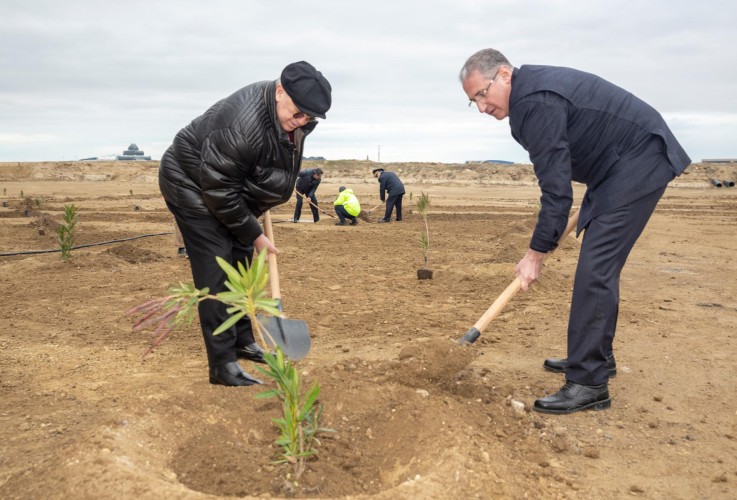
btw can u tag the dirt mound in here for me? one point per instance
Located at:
(133, 254)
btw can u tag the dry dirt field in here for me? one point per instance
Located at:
(417, 416)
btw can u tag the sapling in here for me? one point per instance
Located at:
(247, 297)
(423, 207)
(66, 231)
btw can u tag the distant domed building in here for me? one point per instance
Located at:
(132, 153)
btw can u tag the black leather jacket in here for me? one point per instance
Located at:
(235, 161)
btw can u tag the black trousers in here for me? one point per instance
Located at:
(606, 244)
(206, 237)
(343, 214)
(298, 208)
(391, 203)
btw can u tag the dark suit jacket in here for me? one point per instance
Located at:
(306, 184)
(579, 127)
(389, 183)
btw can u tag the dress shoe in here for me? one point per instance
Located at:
(341, 223)
(382, 221)
(559, 365)
(575, 397)
(354, 222)
(231, 374)
(252, 352)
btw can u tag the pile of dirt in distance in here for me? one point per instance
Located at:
(134, 254)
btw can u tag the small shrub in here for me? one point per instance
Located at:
(247, 296)
(66, 231)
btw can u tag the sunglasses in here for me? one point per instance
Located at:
(299, 115)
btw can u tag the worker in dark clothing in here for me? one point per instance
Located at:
(222, 172)
(307, 182)
(389, 184)
(579, 127)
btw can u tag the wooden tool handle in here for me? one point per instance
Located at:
(318, 208)
(271, 257)
(514, 287)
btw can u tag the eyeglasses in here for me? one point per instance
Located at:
(299, 115)
(481, 94)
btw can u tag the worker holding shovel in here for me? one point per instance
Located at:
(578, 127)
(224, 170)
(392, 191)
(307, 183)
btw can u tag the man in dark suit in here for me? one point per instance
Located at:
(307, 182)
(391, 190)
(578, 127)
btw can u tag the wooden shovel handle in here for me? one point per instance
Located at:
(501, 301)
(271, 258)
(318, 208)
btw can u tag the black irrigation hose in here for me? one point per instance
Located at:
(84, 246)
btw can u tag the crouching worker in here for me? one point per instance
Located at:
(347, 206)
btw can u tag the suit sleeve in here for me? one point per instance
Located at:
(313, 188)
(226, 162)
(543, 132)
(382, 187)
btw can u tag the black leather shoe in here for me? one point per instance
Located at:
(559, 365)
(252, 352)
(231, 374)
(575, 397)
(354, 222)
(341, 223)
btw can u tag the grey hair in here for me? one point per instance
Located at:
(485, 61)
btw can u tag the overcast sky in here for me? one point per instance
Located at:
(82, 78)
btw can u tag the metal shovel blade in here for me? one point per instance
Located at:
(291, 335)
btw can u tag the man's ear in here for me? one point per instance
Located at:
(279, 93)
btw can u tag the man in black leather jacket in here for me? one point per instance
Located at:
(223, 171)
(307, 182)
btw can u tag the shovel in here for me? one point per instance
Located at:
(291, 335)
(493, 311)
(318, 208)
(366, 213)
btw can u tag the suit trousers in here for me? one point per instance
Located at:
(606, 244)
(298, 207)
(392, 202)
(205, 237)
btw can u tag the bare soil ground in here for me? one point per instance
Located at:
(416, 415)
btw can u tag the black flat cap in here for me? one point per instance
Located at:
(377, 170)
(310, 91)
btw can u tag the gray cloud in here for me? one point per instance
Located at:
(84, 78)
